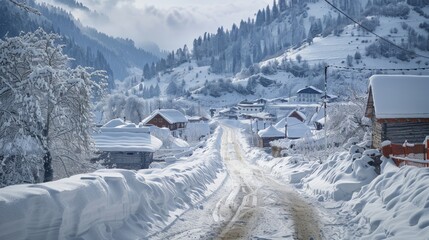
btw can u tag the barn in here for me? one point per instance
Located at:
(398, 108)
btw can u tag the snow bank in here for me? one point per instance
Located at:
(395, 205)
(168, 141)
(194, 131)
(110, 204)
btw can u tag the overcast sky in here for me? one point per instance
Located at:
(169, 23)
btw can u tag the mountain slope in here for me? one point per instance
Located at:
(293, 48)
(87, 46)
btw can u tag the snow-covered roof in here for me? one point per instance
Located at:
(196, 118)
(114, 123)
(271, 131)
(116, 135)
(251, 105)
(302, 115)
(170, 115)
(318, 115)
(296, 128)
(310, 89)
(280, 124)
(126, 142)
(400, 96)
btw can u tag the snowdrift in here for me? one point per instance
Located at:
(110, 204)
(395, 205)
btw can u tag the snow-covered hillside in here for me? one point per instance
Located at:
(348, 46)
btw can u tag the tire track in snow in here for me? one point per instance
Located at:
(258, 194)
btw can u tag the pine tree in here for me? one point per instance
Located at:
(146, 71)
(282, 5)
(268, 15)
(275, 10)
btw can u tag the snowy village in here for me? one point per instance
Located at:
(262, 119)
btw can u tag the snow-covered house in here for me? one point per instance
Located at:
(318, 118)
(295, 129)
(269, 134)
(168, 118)
(246, 107)
(309, 94)
(298, 115)
(126, 145)
(230, 113)
(398, 108)
(193, 119)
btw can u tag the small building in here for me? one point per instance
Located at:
(295, 129)
(269, 134)
(194, 119)
(168, 118)
(318, 118)
(398, 108)
(246, 107)
(229, 113)
(309, 94)
(124, 145)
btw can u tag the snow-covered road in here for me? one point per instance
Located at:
(250, 204)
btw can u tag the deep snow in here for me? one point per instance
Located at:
(353, 201)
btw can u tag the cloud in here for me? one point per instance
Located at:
(168, 23)
(179, 18)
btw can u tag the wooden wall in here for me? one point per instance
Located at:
(413, 132)
(160, 122)
(129, 160)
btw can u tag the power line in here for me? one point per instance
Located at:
(378, 69)
(367, 29)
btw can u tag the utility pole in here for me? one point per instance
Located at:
(325, 100)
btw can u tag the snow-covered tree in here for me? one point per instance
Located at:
(44, 101)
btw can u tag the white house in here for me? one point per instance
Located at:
(309, 94)
(246, 107)
(125, 145)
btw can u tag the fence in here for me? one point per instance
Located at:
(407, 154)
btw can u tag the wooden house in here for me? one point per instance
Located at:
(168, 118)
(269, 134)
(124, 145)
(298, 115)
(398, 108)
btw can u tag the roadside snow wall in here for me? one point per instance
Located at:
(395, 205)
(111, 204)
